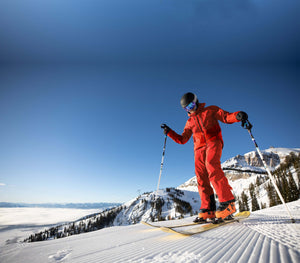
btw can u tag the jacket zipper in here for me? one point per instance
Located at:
(201, 129)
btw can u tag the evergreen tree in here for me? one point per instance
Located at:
(283, 185)
(271, 194)
(285, 181)
(254, 201)
(243, 203)
(293, 189)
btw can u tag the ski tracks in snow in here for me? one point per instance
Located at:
(250, 241)
(261, 238)
(278, 229)
(236, 242)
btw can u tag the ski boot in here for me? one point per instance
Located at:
(204, 216)
(225, 210)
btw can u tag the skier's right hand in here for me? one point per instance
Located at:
(165, 128)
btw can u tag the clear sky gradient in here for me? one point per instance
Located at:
(85, 85)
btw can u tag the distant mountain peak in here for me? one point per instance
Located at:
(251, 162)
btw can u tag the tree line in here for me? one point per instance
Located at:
(285, 181)
(92, 223)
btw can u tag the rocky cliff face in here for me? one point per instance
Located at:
(249, 164)
(245, 166)
(251, 161)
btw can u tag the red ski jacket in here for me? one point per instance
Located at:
(204, 125)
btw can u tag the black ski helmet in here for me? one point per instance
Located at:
(187, 98)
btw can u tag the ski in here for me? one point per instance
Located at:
(240, 214)
(205, 227)
(200, 227)
(178, 225)
(174, 226)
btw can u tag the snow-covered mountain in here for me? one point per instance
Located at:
(164, 204)
(266, 236)
(167, 204)
(176, 203)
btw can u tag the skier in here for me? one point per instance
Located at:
(208, 143)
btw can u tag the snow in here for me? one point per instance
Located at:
(266, 236)
(283, 152)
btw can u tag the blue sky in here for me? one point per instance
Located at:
(85, 86)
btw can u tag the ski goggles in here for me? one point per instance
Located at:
(190, 106)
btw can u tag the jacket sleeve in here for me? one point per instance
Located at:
(184, 137)
(226, 117)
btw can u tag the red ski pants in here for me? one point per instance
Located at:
(209, 173)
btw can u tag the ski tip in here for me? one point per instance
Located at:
(170, 230)
(147, 224)
(243, 214)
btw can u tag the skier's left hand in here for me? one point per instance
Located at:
(242, 116)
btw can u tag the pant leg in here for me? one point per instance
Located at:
(205, 190)
(216, 175)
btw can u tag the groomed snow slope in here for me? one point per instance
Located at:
(266, 236)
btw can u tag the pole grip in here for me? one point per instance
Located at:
(247, 125)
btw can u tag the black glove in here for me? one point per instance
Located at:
(242, 116)
(166, 128)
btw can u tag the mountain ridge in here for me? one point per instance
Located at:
(247, 165)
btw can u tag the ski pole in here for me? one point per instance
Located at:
(247, 125)
(162, 161)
